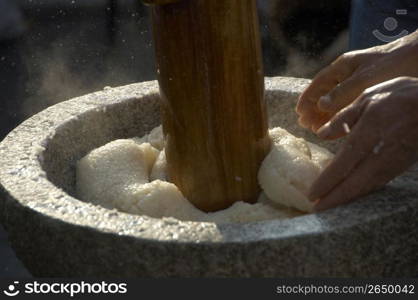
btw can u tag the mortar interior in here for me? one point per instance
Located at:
(96, 127)
(68, 131)
(136, 116)
(55, 233)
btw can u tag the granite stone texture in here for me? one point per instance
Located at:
(55, 234)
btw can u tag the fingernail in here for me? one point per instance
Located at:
(346, 128)
(324, 131)
(325, 102)
(325, 99)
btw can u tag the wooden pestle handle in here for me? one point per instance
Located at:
(211, 82)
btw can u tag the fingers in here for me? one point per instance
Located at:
(381, 145)
(310, 96)
(344, 93)
(356, 148)
(324, 82)
(320, 120)
(374, 172)
(342, 123)
(314, 120)
(352, 187)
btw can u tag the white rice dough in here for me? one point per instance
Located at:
(290, 168)
(130, 175)
(155, 138)
(242, 212)
(159, 169)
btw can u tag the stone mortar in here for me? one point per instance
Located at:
(55, 234)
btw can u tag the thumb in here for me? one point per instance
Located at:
(343, 121)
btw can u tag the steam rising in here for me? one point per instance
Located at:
(70, 53)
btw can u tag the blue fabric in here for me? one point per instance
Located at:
(376, 22)
(11, 20)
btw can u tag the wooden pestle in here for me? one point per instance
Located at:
(211, 82)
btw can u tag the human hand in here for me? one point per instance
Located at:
(344, 80)
(382, 143)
